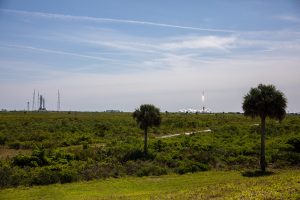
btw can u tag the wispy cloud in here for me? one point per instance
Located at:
(117, 62)
(213, 42)
(60, 52)
(110, 20)
(126, 46)
(290, 18)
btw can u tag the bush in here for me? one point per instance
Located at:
(150, 169)
(5, 175)
(159, 145)
(295, 143)
(242, 160)
(21, 145)
(85, 145)
(102, 128)
(36, 159)
(82, 139)
(190, 166)
(15, 145)
(133, 154)
(131, 167)
(39, 155)
(20, 177)
(25, 160)
(45, 176)
(66, 143)
(68, 176)
(231, 129)
(99, 170)
(3, 139)
(167, 159)
(292, 157)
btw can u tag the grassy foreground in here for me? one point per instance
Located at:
(283, 184)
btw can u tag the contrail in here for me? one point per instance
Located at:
(101, 20)
(59, 52)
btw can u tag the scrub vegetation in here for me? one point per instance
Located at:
(48, 147)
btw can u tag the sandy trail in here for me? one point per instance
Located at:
(187, 133)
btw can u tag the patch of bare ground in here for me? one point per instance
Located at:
(6, 152)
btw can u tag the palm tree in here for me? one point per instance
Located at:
(147, 116)
(264, 101)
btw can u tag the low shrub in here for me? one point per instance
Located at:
(20, 176)
(133, 154)
(45, 176)
(190, 166)
(68, 175)
(5, 175)
(15, 145)
(295, 144)
(150, 169)
(25, 160)
(242, 160)
(3, 138)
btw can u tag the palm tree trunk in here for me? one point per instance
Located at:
(146, 141)
(263, 144)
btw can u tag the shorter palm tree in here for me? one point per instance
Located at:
(147, 116)
(264, 101)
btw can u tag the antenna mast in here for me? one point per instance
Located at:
(38, 101)
(58, 101)
(33, 101)
(28, 105)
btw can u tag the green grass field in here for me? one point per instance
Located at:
(283, 184)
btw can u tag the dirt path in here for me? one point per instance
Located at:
(187, 133)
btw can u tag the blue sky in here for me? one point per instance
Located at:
(119, 54)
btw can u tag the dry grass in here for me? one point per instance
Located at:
(6, 153)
